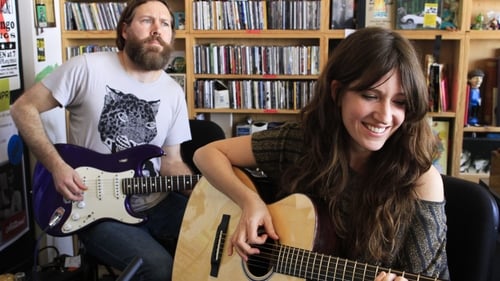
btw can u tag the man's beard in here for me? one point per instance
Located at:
(148, 57)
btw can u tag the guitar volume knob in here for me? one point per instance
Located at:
(81, 204)
(67, 227)
(75, 216)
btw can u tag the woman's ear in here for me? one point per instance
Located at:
(334, 88)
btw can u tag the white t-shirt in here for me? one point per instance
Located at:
(110, 111)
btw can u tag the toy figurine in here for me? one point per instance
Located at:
(449, 21)
(478, 23)
(475, 79)
(493, 24)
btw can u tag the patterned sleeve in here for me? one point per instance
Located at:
(424, 250)
(276, 148)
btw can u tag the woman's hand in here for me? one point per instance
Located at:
(255, 227)
(384, 276)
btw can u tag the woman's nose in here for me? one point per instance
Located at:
(384, 112)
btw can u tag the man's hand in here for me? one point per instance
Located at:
(68, 183)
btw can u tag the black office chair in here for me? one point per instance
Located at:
(202, 132)
(473, 220)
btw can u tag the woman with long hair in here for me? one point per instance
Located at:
(363, 146)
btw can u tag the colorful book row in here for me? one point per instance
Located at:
(253, 94)
(92, 16)
(257, 60)
(256, 15)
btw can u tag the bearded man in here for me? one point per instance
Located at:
(117, 102)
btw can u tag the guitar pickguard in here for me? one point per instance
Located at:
(103, 199)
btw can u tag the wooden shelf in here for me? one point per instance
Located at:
(458, 51)
(482, 129)
(246, 111)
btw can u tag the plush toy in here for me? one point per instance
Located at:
(481, 165)
(493, 24)
(465, 161)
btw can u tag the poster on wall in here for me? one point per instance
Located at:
(14, 215)
(9, 44)
(14, 212)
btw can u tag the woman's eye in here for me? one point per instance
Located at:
(369, 96)
(400, 102)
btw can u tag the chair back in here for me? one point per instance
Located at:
(202, 132)
(472, 220)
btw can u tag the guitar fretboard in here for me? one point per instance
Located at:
(143, 185)
(315, 266)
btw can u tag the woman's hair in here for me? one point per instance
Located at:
(127, 16)
(382, 210)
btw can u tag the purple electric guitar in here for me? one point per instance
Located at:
(110, 178)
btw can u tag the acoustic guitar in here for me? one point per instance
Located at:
(211, 218)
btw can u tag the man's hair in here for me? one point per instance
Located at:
(129, 13)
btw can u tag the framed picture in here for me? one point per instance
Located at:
(342, 14)
(180, 78)
(418, 14)
(44, 13)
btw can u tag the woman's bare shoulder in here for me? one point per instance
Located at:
(430, 186)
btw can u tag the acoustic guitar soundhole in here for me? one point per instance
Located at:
(262, 265)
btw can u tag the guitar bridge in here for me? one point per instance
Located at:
(218, 247)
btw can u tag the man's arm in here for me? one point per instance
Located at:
(26, 115)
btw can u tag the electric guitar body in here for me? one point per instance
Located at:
(111, 180)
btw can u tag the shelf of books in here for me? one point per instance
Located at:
(250, 91)
(90, 26)
(256, 61)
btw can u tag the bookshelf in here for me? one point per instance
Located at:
(77, 39)
(458, 52)
(481, 46)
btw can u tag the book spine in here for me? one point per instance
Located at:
(497, 86)
(489, 83)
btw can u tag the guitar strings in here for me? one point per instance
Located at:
(315, 266)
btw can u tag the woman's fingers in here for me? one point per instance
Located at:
(384, 276)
